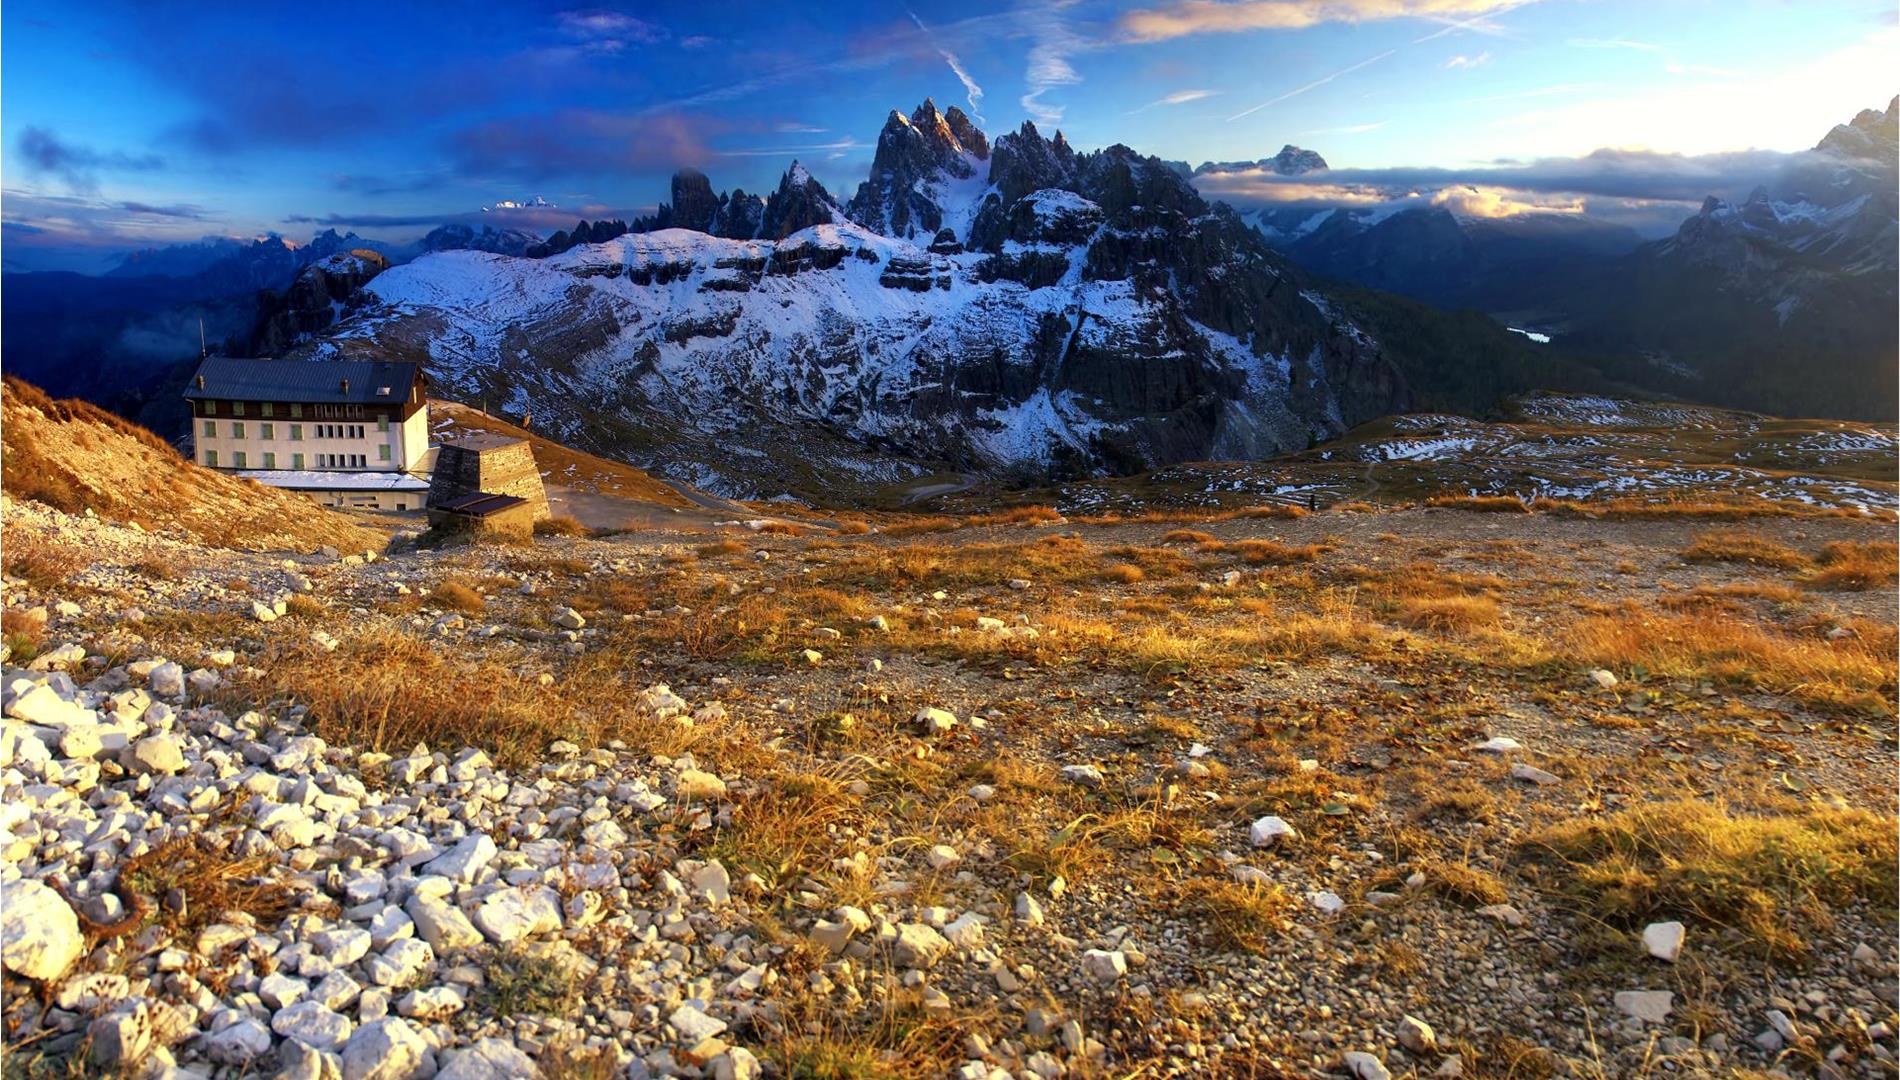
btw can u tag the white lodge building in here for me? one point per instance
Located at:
(347, 433)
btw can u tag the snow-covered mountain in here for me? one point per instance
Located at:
(1013, 307)
(457, 236)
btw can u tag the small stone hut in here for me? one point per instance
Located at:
(487, 483)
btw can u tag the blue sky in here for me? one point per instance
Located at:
(124, 125)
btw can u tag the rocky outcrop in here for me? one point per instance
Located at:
(694, 204)
(1290, 161)
(799, 203)
(312, 302)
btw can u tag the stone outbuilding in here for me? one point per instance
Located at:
(486, 482)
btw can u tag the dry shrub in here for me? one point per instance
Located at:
(783, 528)
(1123, 573)
(1734, 545)
(1457, 613)
(1020, 515)
(1856, 673)
(560, 526)
(1772, 876)
(1272, 553)
(24, 630)
(721, 547)
(452, 595)
(1857, 567)
(1266, 510)
(1187, 536)
(1239, 916)
(853, 528)
(39, 561)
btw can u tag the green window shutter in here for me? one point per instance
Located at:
(237, 458)
(270, 430)
(270, 460)
(237, 429)
(382, 452)
(211, 429)
(211, 458)
(296, 461)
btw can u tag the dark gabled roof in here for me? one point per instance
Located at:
(479, 504)
(224, 378)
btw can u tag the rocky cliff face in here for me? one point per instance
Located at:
(1050, 313)
(313, 302)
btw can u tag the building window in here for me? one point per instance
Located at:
(265, 409)
(267, 431)
(296, 409)
(382, 452)
(211, 458)
(296, 433)
(211, 429)
(237, 408)
(237, 459)
(270, 460)
(237, 429)
(296, 461)
(382, 423)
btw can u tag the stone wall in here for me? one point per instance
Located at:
(490, 464)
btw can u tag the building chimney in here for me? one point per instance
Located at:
(201, 382)
(346, 386)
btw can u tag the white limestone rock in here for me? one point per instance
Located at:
(39, 932)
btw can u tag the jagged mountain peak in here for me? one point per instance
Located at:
(923, 163)
(1290, 161)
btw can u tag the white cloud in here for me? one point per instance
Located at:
(1467, 62)
(1187, 17)
(1048, 61)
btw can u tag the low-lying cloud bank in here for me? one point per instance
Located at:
(1645, 190)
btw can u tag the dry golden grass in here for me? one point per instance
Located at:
(1123, 573)
(1735, 545)
(1850, 566)
(402, 691)
(560, 526)
(1490, 504)
(1271, 553)
(74, 456)
(852, 527)
(1772, 876)
(1452, 613)
(1856, 673)
(1187, 536)
(721, 547)
(920, 526)
(783, 528)
(1020, 515)
(787, 830)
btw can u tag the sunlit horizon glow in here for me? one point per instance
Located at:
(228, 122)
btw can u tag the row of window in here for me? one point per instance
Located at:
(322, 431)
(239, 460)
(296, 409)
